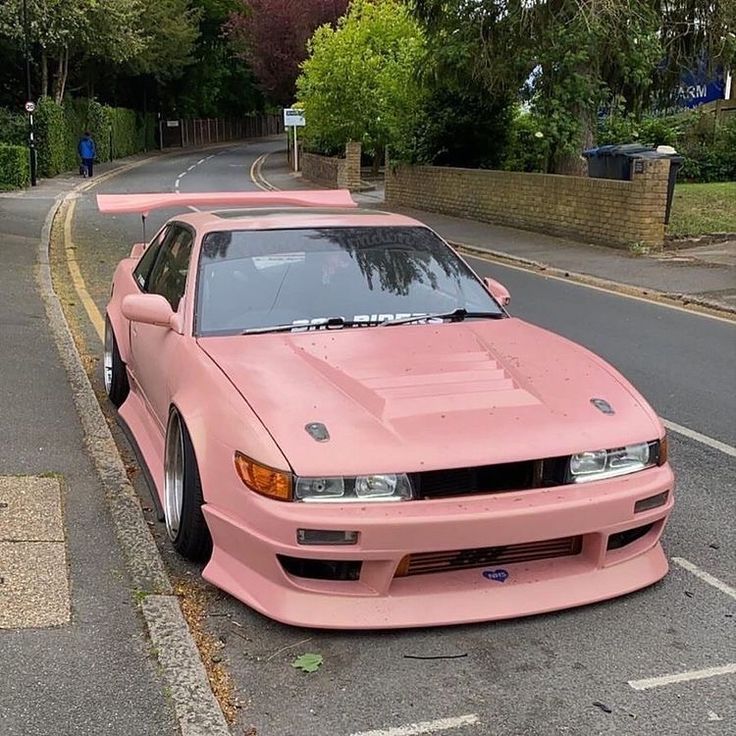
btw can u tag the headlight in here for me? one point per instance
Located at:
(600, 464)
(383, 487)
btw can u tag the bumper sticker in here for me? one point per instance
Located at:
(498, 575)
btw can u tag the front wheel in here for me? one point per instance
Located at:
(185, 523)
(113, 369)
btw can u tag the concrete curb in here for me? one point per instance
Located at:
(689, 302)
(197, 710)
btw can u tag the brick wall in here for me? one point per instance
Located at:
(333, 172)
(322, 170)
(617, 213)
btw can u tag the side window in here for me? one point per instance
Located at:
(168, 276)
(143, 269)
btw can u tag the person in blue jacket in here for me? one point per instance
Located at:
(87, 152)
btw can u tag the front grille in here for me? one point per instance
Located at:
(426, 562)
(490, 478)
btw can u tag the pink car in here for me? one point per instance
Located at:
(344, 422)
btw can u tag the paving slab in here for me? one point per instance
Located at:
(34, 585)
(30, 509)
(34, 580)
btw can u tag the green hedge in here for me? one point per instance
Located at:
(117, 131)
(15, 172)
(13, 128)
(52, 138)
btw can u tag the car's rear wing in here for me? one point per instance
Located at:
(142, 204)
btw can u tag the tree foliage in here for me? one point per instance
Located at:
(170, 55)
(272, 36)
(573, 56)
(64, 30)
(169, 30)
(360, 81)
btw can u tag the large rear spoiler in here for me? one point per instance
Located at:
(142, 204)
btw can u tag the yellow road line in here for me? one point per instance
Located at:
(94, 314)
(256, 176)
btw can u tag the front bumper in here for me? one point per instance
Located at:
(246, 548)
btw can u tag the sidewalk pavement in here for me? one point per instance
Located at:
(704, 275)
(73, 654)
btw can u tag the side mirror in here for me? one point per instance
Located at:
(150, 309)
(498, 291)
(137, 250)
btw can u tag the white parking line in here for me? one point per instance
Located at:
(698, 437)
(413, 729)
(651, 682)
(193, 166)
(176, 183)
(200, 162)
(706, 577)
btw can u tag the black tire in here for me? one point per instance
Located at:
(192, 540)
(116, 383)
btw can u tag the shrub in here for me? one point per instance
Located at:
(13, 128)
(528, 145)
(99, 124)
(709, 148)
(15, 170)
(51, 137)
(124, 132)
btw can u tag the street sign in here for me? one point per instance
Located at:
(294, 118)
(30, 107)
(172, 123)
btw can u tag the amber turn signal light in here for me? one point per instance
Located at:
(262, 479)
(662, 458)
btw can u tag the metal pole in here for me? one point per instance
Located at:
(31, 130)
(296, 151)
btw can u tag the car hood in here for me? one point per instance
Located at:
(424, 397)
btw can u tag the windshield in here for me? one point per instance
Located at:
(301, 277)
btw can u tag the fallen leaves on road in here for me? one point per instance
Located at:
(308, 662)
(194, 603)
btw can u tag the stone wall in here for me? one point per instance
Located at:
(333, 172)
(609, 212)
(322, 170)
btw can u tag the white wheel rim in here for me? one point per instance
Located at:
(173, 476)
(107, 358)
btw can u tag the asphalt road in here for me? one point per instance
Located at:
(552, 674)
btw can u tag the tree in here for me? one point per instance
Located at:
(272, 36)
(65, 29)
(574, 56)
(216, 81)
(360, 80)
(170, 30)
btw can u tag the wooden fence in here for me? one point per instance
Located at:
(190, 133)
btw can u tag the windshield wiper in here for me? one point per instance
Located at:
(456, 315)
(332, 322)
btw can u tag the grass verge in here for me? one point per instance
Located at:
(699, 209)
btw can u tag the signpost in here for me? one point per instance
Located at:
(294, 118)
